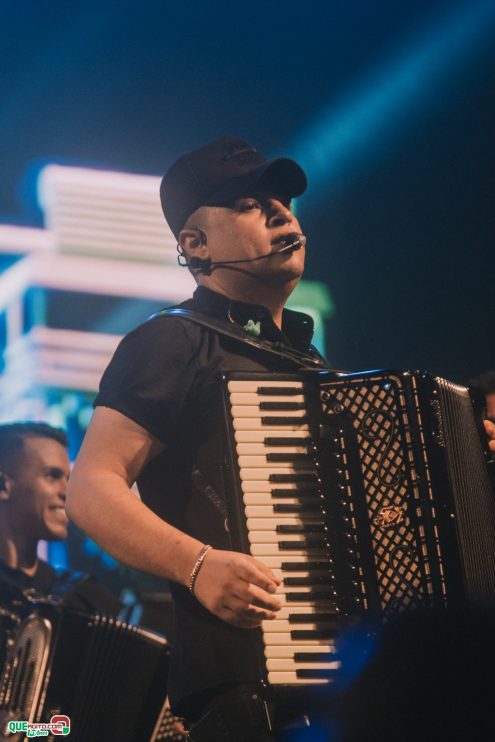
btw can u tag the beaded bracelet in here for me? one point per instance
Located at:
(195, 570)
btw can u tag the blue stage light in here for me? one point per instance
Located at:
(350, 131)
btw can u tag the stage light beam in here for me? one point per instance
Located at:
(348, 133)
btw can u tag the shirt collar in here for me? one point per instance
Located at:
(297, 327)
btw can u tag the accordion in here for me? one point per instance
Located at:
(106, 678)
(368, 494)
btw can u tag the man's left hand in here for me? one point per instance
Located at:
(490, 431)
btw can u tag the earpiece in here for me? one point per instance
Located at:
(201, 264)
(202, 237)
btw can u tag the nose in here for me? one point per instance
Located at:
(62, 491)
(278, 214)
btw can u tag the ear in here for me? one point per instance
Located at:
(193, 241)
(4, 487)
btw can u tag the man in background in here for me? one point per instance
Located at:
(34, 471)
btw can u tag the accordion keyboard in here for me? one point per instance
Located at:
(284, 518)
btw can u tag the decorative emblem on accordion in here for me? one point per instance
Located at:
(389, 517)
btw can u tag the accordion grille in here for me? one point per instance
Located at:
(376, 418)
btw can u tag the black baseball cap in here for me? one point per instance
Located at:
(220, 172)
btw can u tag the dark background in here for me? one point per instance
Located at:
(397, 98)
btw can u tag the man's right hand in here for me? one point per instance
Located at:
(237, 588)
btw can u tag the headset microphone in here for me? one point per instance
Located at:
(298, 241)
(292, 242)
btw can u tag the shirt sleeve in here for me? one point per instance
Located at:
(150, 375)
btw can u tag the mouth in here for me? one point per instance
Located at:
(59, 510)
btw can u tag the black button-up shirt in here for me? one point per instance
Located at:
(165, 376)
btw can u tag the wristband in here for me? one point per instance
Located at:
(195, 570)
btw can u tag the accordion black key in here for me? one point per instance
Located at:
(368, 494)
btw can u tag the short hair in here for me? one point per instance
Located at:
(485, 382)
(13, 435)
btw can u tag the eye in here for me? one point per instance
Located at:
(248, 204)
(54, 474)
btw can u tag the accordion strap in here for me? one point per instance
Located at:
(302, 360)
